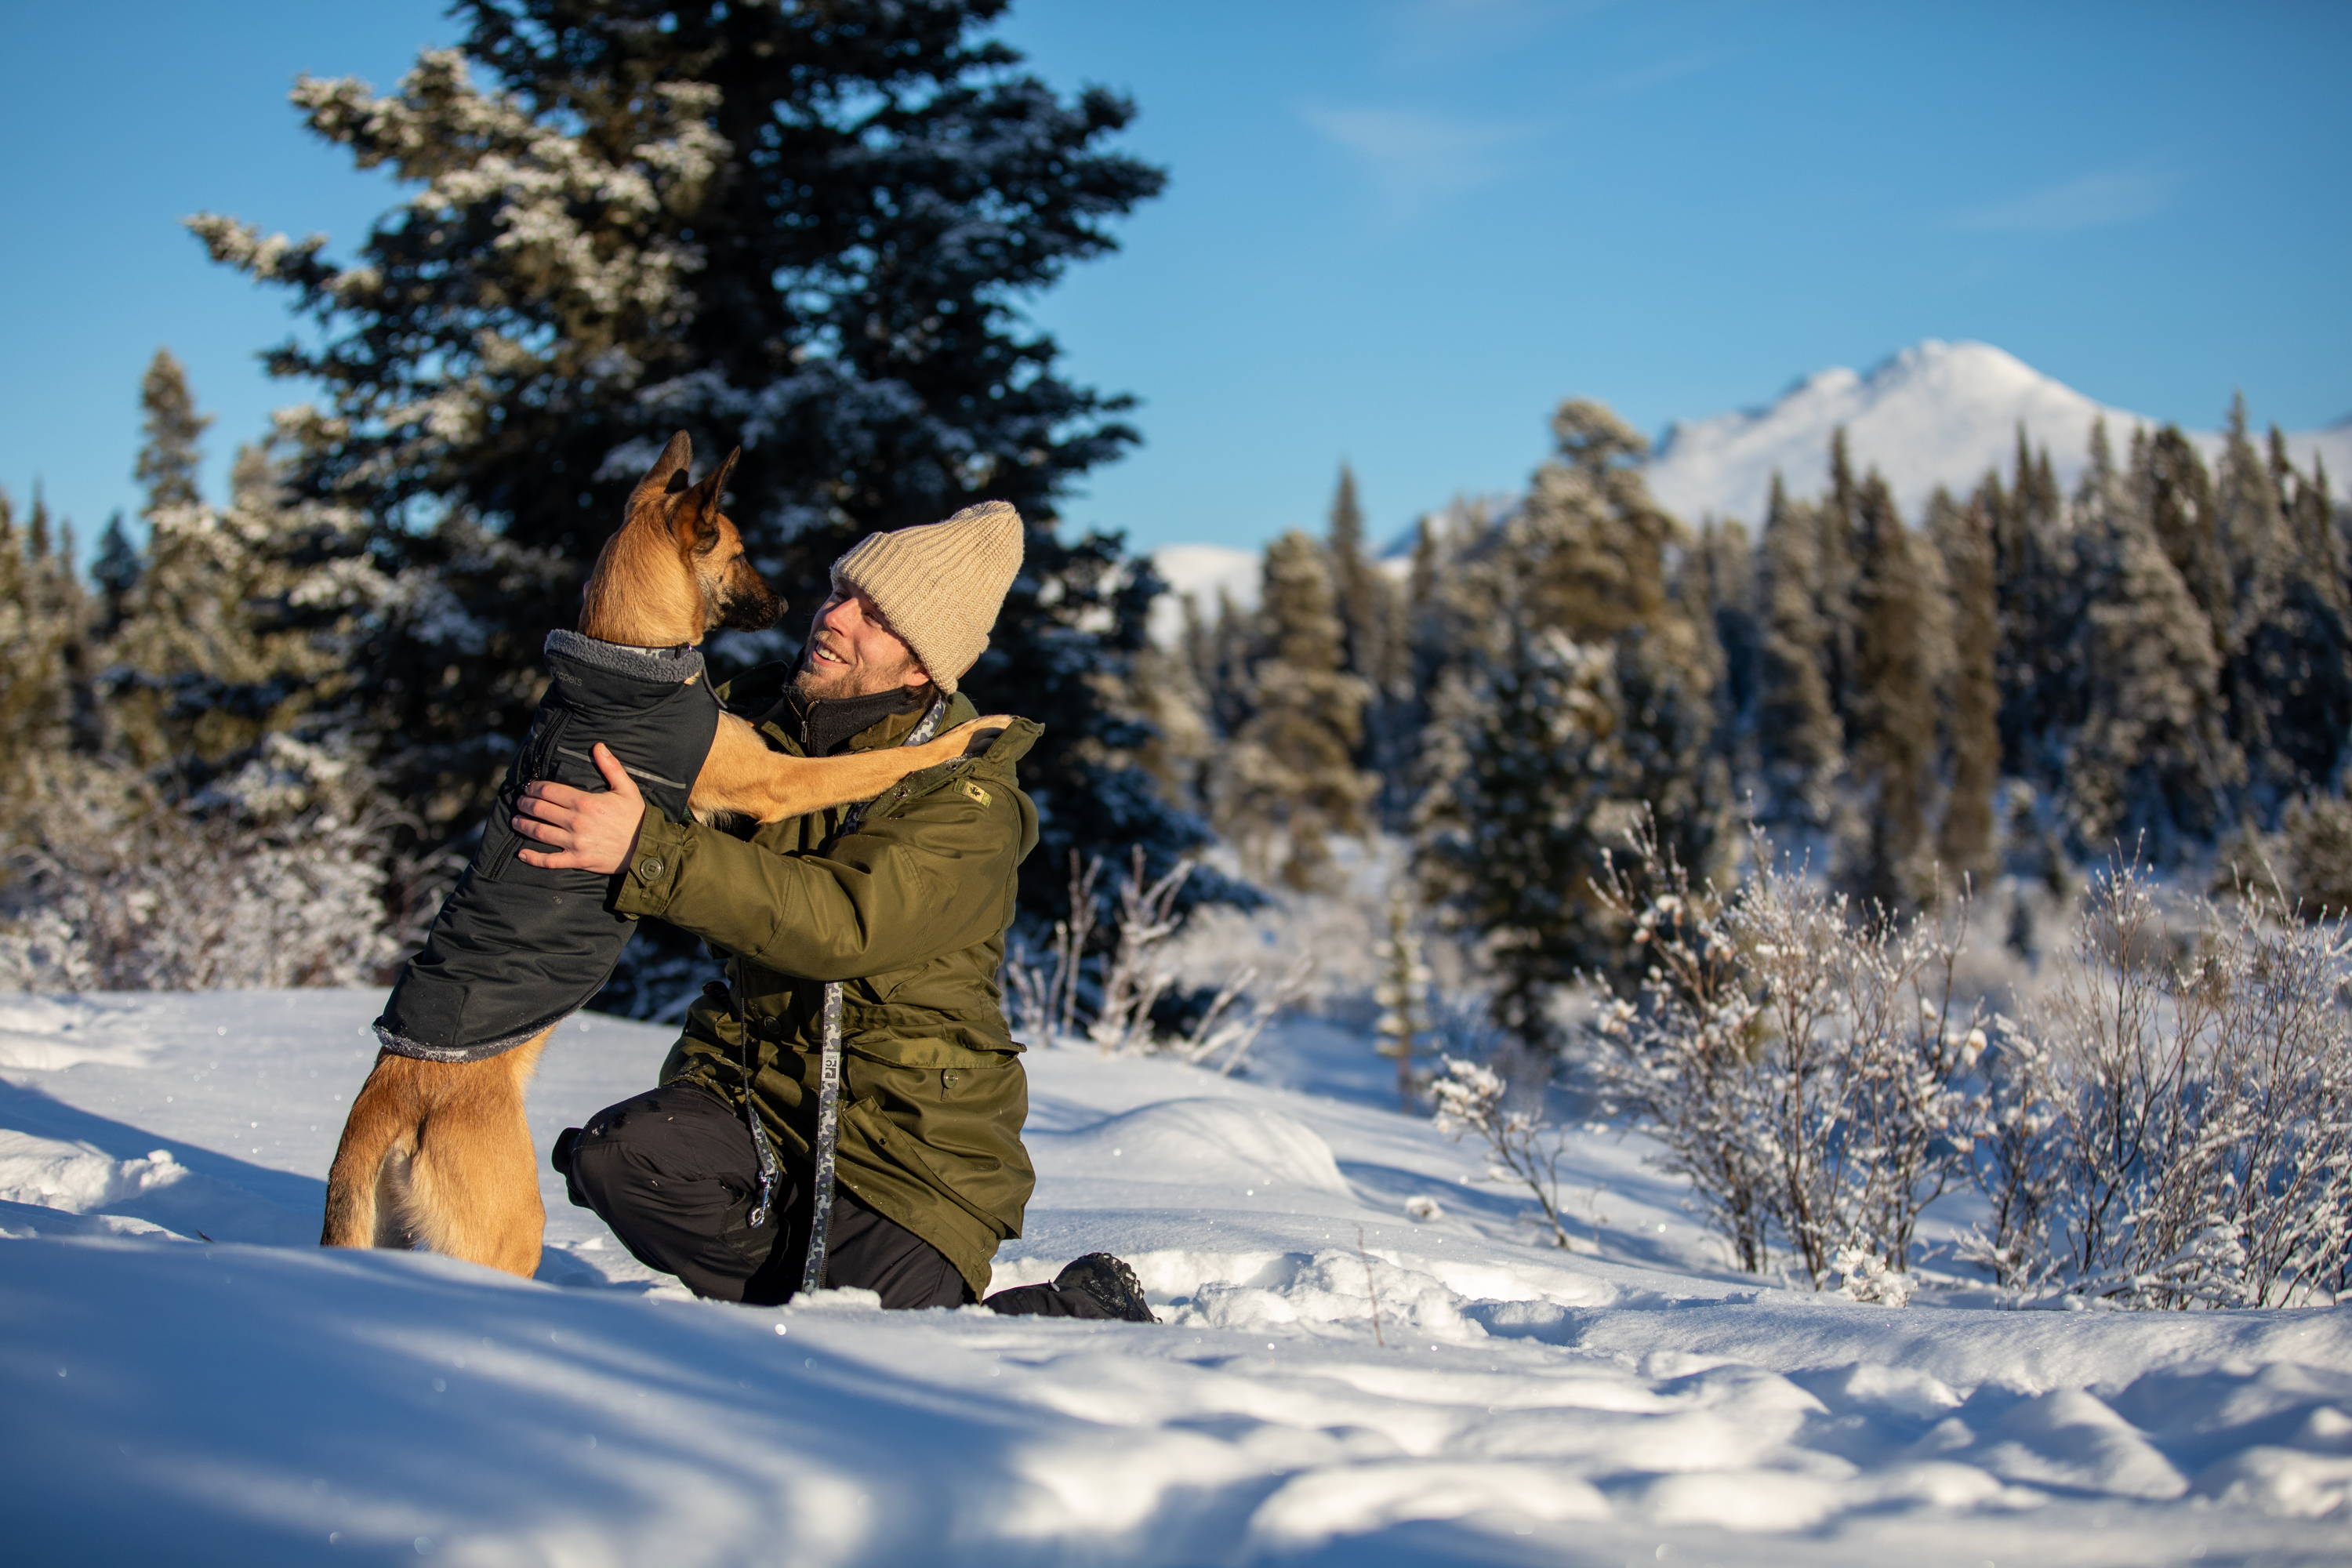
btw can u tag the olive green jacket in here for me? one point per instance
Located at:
(909, 911)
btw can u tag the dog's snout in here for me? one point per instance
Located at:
(752, 605)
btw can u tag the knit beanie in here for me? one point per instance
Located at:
(940, 585)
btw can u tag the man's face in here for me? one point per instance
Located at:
(851, 653)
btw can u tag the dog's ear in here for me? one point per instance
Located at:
(668, 473)
(696, 520)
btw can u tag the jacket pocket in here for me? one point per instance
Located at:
(900, 1050)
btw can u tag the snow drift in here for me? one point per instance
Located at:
(1334, 1382)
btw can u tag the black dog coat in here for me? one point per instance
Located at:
(518, 948)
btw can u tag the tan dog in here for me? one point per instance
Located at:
(439, 1153)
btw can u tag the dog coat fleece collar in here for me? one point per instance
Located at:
(517, 949)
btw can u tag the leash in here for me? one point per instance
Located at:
(828, 1082)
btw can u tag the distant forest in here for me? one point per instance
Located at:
(2015, 685)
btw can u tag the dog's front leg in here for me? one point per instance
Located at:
(742, 776)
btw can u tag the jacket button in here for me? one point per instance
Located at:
(649, 867)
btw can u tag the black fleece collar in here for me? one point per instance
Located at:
(826, 723)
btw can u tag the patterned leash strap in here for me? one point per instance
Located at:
(828, 1080)
(770, 1174)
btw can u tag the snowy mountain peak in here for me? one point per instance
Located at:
(1933, 414)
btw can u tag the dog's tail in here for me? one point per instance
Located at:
(370, 1193)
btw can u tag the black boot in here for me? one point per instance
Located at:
(1111, 1283)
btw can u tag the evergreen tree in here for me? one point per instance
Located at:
(1838, 550)
(2288, 669)
(1894, 703)
(1363, 617)
(1963, 537)
(1290, 780)
(116, 574)
(1512, 843)
(168, 456)
(632, 217)
(1371, 617)
(1577, 695)
(193, 677)
(1802, 747)
(2150, 770)
(1720, 595)
(40, 609)
(2179, 499)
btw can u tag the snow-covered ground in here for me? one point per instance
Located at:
(1335, 1382)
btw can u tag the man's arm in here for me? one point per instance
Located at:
(927, 880)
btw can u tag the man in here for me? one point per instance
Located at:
(905, 903)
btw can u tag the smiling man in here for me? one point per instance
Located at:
(894, 913)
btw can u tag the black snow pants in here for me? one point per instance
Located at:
(674, 1174)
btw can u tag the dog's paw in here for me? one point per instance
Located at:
(978, 734)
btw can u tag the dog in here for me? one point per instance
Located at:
(436, 1151)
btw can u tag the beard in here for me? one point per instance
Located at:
(819, 680)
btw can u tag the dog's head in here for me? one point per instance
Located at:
(678, 556)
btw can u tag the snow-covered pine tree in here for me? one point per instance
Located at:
(1801, 748)
(1964, 836)
(1576, 695)
(2179, 499)
(114, 572)
(1718, 586)
(1839, 550)
(43, 622)
(1359, 589)
(2039, 593)
(1372, 616)
(1289, 781)
(2150, 768)
(1894, 704)
(207, 650)
(177, 631)
(1182, 746)
(631, 216)
(1515, 835)
(2288, 667)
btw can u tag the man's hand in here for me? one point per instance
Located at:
(590, 832)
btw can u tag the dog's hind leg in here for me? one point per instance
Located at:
(381, 1128)
(473, 1187)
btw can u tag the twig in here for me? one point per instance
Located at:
(1372, 1284)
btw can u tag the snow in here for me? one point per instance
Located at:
(1934, 414)
(1367, 1356)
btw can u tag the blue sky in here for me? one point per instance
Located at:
(1397, 231)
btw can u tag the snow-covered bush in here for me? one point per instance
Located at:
(1066, 994)
(1474, 1100)
(2172, 1125)
(1803, 1061)
(276, 877)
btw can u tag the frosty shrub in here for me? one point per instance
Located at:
(2172, 1127)
(261, 883)
(1801, 1060)
(1474, 1100)
(1068, 993)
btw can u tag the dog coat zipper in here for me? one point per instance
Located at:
(828, 1073)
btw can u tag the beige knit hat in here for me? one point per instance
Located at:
(940, 585)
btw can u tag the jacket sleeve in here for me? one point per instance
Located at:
(930, 879)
